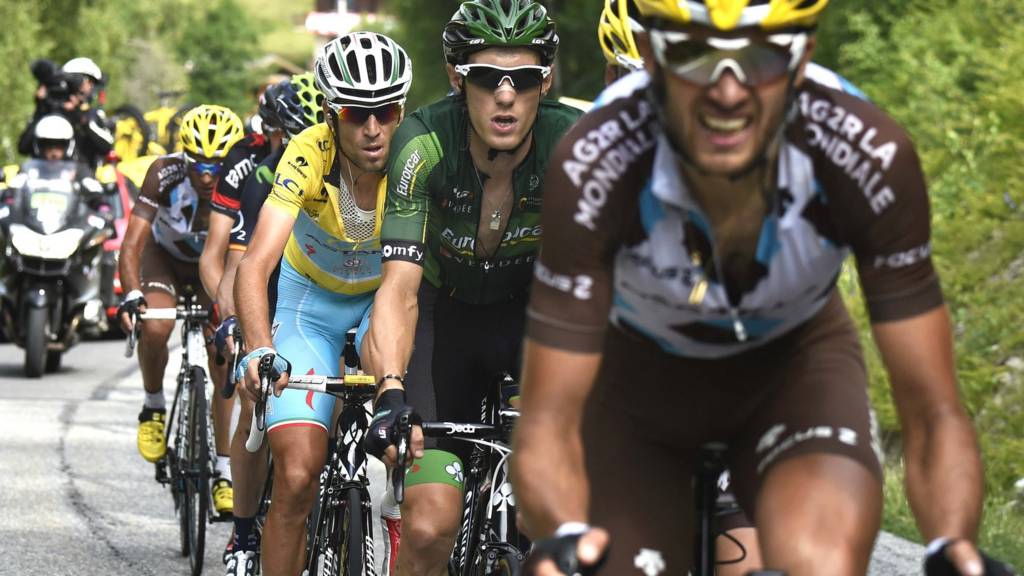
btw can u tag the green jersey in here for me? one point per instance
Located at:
(433, 202)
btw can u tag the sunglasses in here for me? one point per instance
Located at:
(359, 115)
(702, 61)
(491, 77)
(211, 168)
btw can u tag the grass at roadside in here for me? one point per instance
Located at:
(1002, 526)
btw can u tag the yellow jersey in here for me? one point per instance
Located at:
(306, 186)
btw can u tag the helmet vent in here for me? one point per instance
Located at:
(371, 69)
(353, 66)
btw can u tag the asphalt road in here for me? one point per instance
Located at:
(76, 498)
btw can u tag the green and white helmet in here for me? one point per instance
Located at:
(362, 69)
(480, 24)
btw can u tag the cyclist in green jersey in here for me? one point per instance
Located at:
(462, 213)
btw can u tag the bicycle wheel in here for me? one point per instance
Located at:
(353, 550)
(176, 458)
(197, 470)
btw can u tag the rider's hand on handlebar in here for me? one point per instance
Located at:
(381, 437)
(568, 555)
(223, 338)
(133, 304)
(249, 366)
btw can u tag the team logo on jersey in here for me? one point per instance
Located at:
(650, 562)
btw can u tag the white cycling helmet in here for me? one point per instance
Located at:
(364, 69)
(84, 66)
(55, 129)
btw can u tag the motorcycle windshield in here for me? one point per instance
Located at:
(47, 197)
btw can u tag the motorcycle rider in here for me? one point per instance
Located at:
(71, 92)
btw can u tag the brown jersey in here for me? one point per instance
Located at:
(625, 240)
(179, 214)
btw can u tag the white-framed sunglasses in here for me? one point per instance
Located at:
(491, 77)
(702, 61)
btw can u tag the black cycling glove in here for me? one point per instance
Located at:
(937, 563)
(390, 407)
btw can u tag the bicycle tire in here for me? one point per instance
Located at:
(175, 458)
(354, 529)
(197, 485)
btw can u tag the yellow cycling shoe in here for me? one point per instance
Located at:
(150, 439)
(223, 496)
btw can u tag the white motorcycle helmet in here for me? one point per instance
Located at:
(53, 130)
(84, 66)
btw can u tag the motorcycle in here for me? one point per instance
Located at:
(53, 235)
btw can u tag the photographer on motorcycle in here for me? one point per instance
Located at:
(70, 91)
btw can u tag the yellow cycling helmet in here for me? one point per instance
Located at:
(615, 33)
(732, 14)
(210, 131)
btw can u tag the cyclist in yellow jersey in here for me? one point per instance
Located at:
(323, 216)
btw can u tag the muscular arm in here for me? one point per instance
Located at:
(944, 476)
(226, 288)
(211, 261)
(129, 262)
(547, 458)
(389, 342)
(254, 271)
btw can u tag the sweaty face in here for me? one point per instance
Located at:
(503, 117)
(366, 144)
(723, 127)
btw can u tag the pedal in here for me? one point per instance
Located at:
(161, 472)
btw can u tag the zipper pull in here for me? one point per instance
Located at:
(737, 326)
(700, 289)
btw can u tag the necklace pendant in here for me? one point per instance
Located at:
(495, 220)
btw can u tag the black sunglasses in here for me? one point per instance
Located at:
(491, 77)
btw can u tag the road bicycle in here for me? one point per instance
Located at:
(340, 528)
(188, 465)
(488, 542)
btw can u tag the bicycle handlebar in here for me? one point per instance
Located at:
(312, 382)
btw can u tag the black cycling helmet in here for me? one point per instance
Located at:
(480, 24)
(280, 108)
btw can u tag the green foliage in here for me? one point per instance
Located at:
(947, 72)
(219, 46)
(19, 45)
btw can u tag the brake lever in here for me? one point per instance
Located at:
(403, 429)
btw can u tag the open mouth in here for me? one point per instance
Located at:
(373, 151)
(504, 122)
(725, 125)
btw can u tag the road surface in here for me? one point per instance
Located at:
(76, 498)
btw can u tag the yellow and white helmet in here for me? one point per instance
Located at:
(210, 131)
(728, 15)
(615, 33)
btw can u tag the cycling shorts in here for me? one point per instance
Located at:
(473, 346)
(160, 272)
(309, 329)
(649, 413)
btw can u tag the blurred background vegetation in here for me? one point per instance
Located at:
(946, 69)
